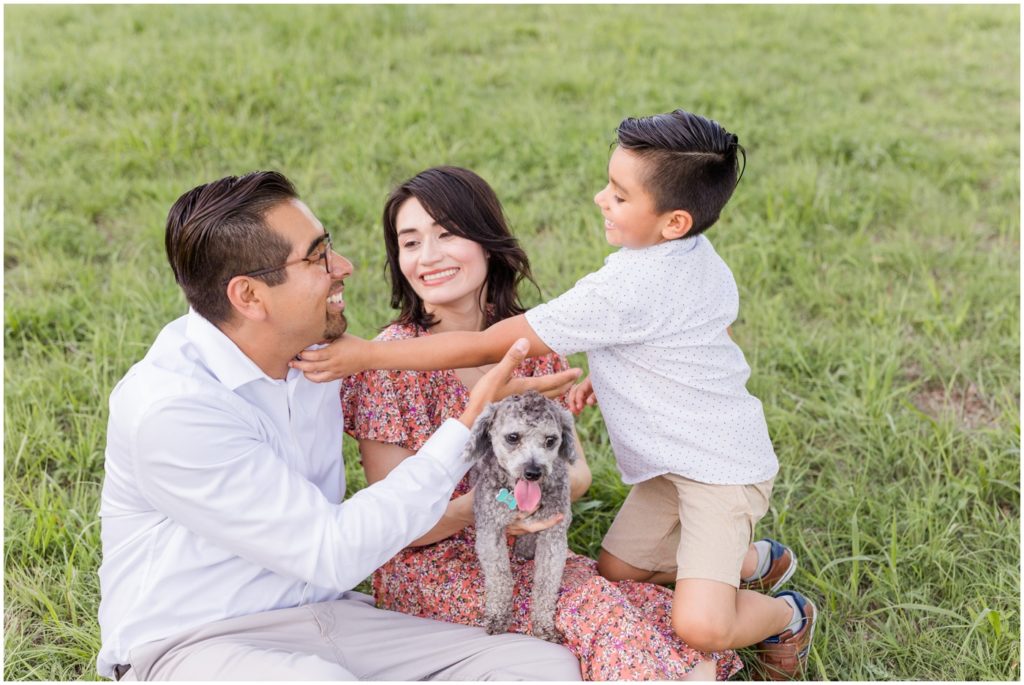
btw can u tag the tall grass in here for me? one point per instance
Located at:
(875, 239)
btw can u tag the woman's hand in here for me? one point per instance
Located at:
(498, 383)
(343, 357)
(580, 396)
(520, 526)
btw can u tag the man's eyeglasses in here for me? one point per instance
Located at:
(321, 253)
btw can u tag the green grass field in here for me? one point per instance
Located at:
(875, 238)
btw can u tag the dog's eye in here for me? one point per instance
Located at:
(550, 441)
(512, 438)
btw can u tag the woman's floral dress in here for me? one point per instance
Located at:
(618, 630)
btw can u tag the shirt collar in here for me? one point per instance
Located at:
(221, 355)
(669, 247)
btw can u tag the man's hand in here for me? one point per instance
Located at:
(341, 358)
(581, 395)
(498, 383)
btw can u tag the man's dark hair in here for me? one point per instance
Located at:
(465, 205)
(218, 230)
(690, 163)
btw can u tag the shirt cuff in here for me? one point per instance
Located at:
(538, 318)
(447, 446)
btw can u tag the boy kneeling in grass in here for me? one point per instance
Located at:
(672, 388)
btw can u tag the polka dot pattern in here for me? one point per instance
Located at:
(669, 380)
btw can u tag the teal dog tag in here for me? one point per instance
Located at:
(506, 497)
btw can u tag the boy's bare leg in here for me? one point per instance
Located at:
(711, 615)
(707, 614)
(613, 568)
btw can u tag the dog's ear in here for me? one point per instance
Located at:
(567, 450)
(479, 445)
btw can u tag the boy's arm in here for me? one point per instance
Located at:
(454, 350)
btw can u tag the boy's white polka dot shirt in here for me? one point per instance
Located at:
(669, 380)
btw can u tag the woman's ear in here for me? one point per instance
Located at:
(679, 224)
(245, 298)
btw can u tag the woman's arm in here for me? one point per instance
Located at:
(579, 472)
(378, 460)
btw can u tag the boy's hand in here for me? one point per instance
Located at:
(580, 396)
(498, 383)
(341, 358)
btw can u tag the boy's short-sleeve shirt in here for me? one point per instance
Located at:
(669, 380)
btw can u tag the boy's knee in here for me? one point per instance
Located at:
(706, 633)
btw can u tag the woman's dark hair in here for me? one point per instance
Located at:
(217, 230)
(466, 206)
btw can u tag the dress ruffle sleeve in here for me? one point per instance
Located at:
(396, 407)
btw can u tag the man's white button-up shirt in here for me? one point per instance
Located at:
(223, 493)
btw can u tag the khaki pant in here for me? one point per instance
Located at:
(347, 639)
(673, 524)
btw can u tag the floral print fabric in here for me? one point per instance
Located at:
(618, 630)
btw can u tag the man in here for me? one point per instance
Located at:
(227, 550)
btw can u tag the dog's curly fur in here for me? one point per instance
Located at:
(521, 436)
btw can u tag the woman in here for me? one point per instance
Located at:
(454, 265)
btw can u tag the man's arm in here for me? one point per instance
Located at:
(221, 479)
(454, 350)
(213, 471)
(381, 458)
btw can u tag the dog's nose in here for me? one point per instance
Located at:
(531, 472)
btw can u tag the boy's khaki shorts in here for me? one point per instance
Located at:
(696, 530)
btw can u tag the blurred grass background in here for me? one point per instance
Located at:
(875, 239)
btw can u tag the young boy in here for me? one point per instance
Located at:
(671, 385)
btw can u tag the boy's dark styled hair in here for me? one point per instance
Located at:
(690, 163)
(217, 230)
(465, 205)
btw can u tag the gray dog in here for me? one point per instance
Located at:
(522, 447)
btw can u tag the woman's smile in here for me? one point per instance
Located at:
(445, 270)
(439, 276)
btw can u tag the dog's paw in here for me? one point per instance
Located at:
(547, 633)
(495, 625)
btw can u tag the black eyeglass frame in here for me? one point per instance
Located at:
(325, 258)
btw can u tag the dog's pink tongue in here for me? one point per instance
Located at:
(527, 495)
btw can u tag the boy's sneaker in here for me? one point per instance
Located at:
(784, 656)
(780, 569)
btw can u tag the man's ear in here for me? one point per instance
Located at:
(245, 298)
(679, 224)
